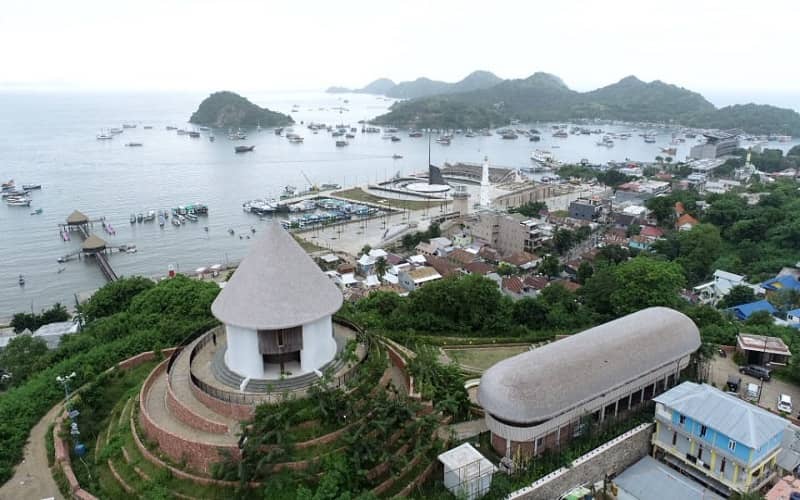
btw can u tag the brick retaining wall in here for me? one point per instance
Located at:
(197, 455)
(189, 417)
(611, 458)
(230, 410)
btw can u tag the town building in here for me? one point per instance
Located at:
(743, 312)
(762, 350)
(686, 222)
(511, 233)
(717, 144)
(413, 279)
(649, 479)
(541, 399)
(272, 325)
(586, 210)
(728, 444)
(712, 291)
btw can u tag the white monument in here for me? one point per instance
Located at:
(277, 310)
(485, 201)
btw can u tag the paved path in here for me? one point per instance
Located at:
(32, 479)
(464, 430)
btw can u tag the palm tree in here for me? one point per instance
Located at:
(381, 266)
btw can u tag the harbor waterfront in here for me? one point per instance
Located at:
(51, 139)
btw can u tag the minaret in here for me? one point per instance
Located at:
(485, 184)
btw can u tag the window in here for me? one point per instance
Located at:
(722, 466)
(674, 438)
(703, 430)
(732, 445)
(682, 419)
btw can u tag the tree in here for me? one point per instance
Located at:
(613, 254)
(662, 208)
(365, 250)
(645, 282)
(585, 271)
(506, 269)
(760, 318)
(530, 209)
(613, 178)
(698, 249)
(739, 294)
(633, 230)
(563, 240)
(550, 266)
(22, 357)
(381, 267)
(596, 292)
(115, 297)
(32, 321)
(529, 312)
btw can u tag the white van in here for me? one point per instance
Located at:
(785, 403)
(752, 391)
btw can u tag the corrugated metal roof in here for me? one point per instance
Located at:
(742, 421)
(277, 285)
(540, 384)
(649, 479)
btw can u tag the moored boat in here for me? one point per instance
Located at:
(243, 149)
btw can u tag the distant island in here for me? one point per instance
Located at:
(483, 100)
(228, 109)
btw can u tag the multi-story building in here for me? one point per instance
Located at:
(586, 210)
(726, 443)
(510, 233)
(716, 145)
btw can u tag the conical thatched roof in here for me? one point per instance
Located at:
(276, 286)
(77, 217)
(93, 243)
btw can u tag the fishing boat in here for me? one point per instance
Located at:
(133, 218)
(396, 156)
(176, 222)
(194, 134)
(115, 131)
(21, 280)
(31, 187)
(148, 127)
(161, 220)
(192, 217)
(509, 135)
(534, 138)
(341, 143)
(395, 138)
(134, 144)
(243, 149)
(139, 217)
(445, 141)
(18, 202)
(329, 186)
(649, 139)
(170, 127)
(7, 185)
(561, 133)
(128, 125)
(204, 129)
(296, 140)
(38, 211)
(102, 136)
(151, 216)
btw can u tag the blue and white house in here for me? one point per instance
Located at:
(722, 441)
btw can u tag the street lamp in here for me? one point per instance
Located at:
(64, 381)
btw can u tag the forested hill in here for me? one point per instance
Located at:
(545, 97)
(227, 109)
(423, 87)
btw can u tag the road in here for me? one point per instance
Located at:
(32, 479)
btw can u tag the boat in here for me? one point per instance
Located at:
(445, 140)
(134, 144)
(115, 131)
(133, 218)
(212, 137)
(161, 219)
(329, 186)
(128, 125)
(278, 130)
(670, 151)
(204, 129)
(31, 187)
(341, 144)
(606, 141)
(170, 127)
(176, 222)
(21, 280)
(396, 156)
(395, 138)
(349, 136)
(509, 135)
(561, 133)
(7, 185)
(192, 217)
(139, 217)
(151, 216)
(102, 136)
(296, 140)
(194, 134)
(649, 139)
(18, 202)
(148, 127)
(243, 149)
(534, 138)
(38, 211)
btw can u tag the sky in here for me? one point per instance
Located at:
(728, 47)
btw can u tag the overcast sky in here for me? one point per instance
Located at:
(244, 45)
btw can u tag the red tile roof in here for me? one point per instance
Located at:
(569, 285)
(461, 256)
(513, 284)
(651, 232)
(536, 282)
(481, 268)
(441, 265)
(520, 258)
(686, 219)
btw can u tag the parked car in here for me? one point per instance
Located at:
(756, 371)
(752, 391)
(785, 403)
(734, 382)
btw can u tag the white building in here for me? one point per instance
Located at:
(467, 473)
(713, 291)
(277, 310)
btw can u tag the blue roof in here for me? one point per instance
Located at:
(793, 312)
(778, 283)
(744, 311)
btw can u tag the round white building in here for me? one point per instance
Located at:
(277, 310)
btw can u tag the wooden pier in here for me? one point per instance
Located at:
(92, 246)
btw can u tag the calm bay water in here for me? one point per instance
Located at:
(49, 138)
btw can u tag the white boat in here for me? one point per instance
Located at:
(542, 156)
(18, 202)
(102, 136)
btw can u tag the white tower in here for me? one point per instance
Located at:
(485, 184)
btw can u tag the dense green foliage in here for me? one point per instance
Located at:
(157, 318)
(544, 97)
(411, 240)
(227, 109)
(114, 297)
(23, 356)
(32, 321)
(529, 209)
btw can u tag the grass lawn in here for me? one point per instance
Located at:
(481, 358)
(308, 246)
(358, 194)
